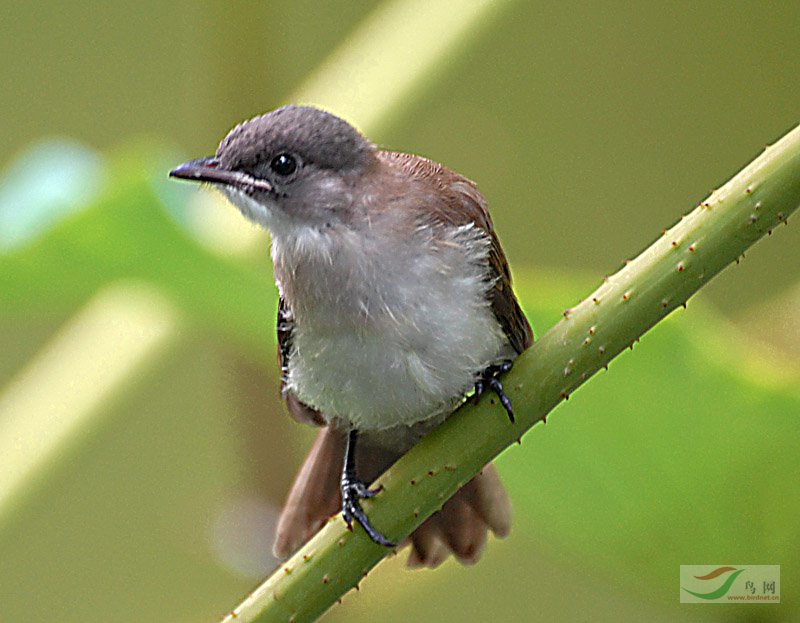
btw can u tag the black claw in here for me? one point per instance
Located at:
(353, 490)
(488, 378)
(479, 387)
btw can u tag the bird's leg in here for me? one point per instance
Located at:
(354, 490)
(488, 379)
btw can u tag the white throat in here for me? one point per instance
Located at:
(253, 210)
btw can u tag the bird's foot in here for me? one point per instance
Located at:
(488, 380)
(353, 490)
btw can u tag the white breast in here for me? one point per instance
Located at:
(388, 333)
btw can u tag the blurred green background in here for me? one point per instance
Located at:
(144, 454)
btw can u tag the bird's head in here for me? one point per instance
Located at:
(297, 166)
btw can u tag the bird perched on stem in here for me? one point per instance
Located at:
(395, 303)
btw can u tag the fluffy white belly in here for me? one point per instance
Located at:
(397, 341)
(374, 381)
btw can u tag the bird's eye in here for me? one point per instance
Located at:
(283, 164)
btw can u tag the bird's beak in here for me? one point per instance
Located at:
(211, 171)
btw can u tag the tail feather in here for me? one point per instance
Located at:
(488, 498)
(427, 547)
(460, 527)
(314, 496)
(463, 530)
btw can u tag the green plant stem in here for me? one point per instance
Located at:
(625, 306)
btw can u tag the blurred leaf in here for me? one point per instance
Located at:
(680, 454)
(44, 184)
(126, 234)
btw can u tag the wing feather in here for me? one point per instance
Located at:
(285, 328)
(455, 200)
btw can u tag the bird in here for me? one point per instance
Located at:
(395, 305)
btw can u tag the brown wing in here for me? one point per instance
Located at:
(285, 327)
(459, 202)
